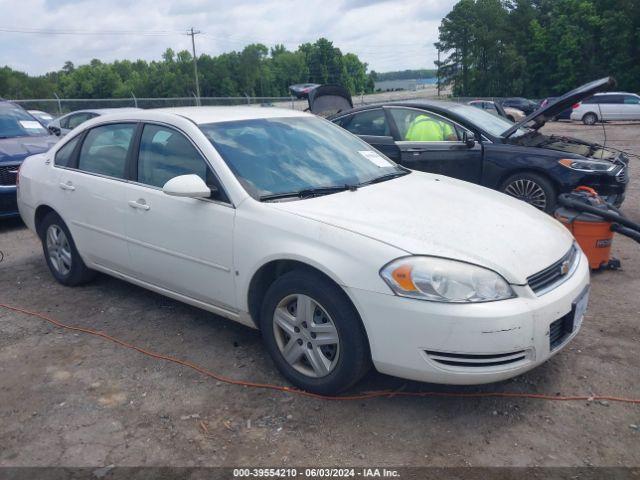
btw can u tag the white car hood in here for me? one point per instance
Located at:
(425, 214)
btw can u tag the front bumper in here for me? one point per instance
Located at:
(471, 343)
(8, 201)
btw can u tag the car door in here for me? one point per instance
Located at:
(609, 107)
(89, 193)
(180, 244)
(372, 126)
(432, 143)
(630, 107)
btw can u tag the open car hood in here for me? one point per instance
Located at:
(327, 100)
(538, 118)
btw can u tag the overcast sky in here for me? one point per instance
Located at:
(388, 35)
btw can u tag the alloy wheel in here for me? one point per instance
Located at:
(59, 249)
(306, 335)
(527, 191)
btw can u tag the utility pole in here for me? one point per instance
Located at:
(193, 34)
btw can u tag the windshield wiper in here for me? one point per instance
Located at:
(309, 192)
(384, 178)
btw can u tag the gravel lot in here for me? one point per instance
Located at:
(74, 400)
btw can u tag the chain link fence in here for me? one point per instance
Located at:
(60, 106)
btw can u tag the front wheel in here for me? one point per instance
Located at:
(61, 254)
(533, 189)
(313, 333)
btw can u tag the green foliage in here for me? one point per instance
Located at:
(253, 71)
(538, 48)
(406, 74)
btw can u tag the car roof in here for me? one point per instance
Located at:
(104, 111)
(202, 115)
(437, 104)
(615, 93)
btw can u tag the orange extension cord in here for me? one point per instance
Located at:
(281, 388)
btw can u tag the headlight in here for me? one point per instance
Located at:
(442, 280)
(587, 165)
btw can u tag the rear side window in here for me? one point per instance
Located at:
(105, 149)
(370, 122)
(64, 156)
(604, 99)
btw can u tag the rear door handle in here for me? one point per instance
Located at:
(67, 186)
(417, 150)
(139, 204)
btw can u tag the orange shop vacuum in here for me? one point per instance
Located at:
(592, 221)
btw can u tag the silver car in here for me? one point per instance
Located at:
(607, 106)
(64, 124)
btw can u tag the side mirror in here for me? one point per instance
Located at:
(191, 186)
(469, 138)
(54, 130)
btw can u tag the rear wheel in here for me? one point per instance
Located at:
(533, 189)
(589, 118)
(61, 254)
(313, 333)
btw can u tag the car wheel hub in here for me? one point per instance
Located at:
(58, 249)
(306, 335)
(528, 191)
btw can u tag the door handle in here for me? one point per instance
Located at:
(416, 150)
(67, 186)
(139, 205)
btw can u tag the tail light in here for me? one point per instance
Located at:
(575, 105)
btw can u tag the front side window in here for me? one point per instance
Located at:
(369, 122)
(64, 156)
(15, 122)
(291, 154)
(165, 154)
(421, 126)
(631, 100)
(105, 149)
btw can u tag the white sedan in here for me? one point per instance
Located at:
(285, 222)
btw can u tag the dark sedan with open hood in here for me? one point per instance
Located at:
(465, 142)
(21, 135)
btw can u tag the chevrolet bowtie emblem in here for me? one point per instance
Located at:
(564, 268)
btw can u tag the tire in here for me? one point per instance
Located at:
(61, 254)
(532, 188)
(325, 367)
(589, 118)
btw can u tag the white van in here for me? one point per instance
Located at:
(607, 106)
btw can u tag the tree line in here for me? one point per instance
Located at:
(256, 71)
(538, 48)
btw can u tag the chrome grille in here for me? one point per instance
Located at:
(555, 274)
(8, 174)
(476, 360)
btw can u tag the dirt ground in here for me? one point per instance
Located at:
(74, 400)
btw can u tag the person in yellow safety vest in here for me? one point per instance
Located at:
(427, 129)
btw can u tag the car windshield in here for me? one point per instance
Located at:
(278, 156)
(15, 122)
(492, 124)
